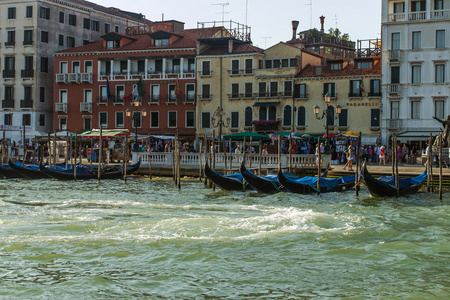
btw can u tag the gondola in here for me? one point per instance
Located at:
(385, 186)
(84, 173)
(232, 182)
(7, 172)
(28, 171)
(308, 185)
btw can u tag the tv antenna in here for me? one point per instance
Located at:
(265, 40)
(223, 4)
(310, 13)
(335, 20)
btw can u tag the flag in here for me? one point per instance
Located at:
(135, 91)
(128, 98)
(108, 93)
(140, 87)
(177, 89)
(361, 88)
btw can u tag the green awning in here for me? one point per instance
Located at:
(240, 136)
(106, 133)
(266, 103)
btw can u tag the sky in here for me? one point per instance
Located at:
(270, 20)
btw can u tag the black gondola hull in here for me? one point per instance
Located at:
(223, 182)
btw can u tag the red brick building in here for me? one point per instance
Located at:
(94, 83)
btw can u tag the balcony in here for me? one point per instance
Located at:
(8, 103)
(394, 124)
(189, 99)
(86, 77)
(27, 43)
(86, 107)
(399, 17)
(205, 97)
(73, 77)
(27, 103)
(102, 100)
(394, 88)
(153, 99)
(440, 14)
(27, 73)
(61, 107)
(395, 55)
(118, 100)
(10, 44)
(234, 96)
(375, 94)
(355, 95)
(9, 74)
(171, 100)
(61, 78)
(303, 96)
(417, 16)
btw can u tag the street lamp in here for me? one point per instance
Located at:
(136, 118)
(328, 113)
(220, 124)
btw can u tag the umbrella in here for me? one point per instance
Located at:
(331, 135)
(247, 134)
(305, 136)
(352, 133)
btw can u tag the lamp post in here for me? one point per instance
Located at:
(220, 124)
(136, 118)
(328, 113)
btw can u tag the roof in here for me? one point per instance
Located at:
(238, 47)
(349, 70)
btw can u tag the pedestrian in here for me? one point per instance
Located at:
(349, 153)
(382, 156)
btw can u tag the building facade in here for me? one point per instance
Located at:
(415, 56)
(31, 31)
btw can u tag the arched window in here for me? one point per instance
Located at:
(263, 113)
(272, 113)
(287, 116)
(301, 116)
(248, 116)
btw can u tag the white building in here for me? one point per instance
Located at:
(30, 32)
(415, 43)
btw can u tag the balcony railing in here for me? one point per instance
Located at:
(86, 107)
(118, 100)
(9, 44)
(234, 96)
(102, 100)
(27, 73)
(86, 77)
(205, 97)
(8, 103)
(189, 98)
(61, 78)
(417, 16)
(355, 95)
(27, 43)
(9, 73)
(395, 55)
(153, 99)
(394, 124)
(27, 103)
(375, 94)
(61, 107)
(394, 88)
(73, 77)
(396, 17)
(440, 14)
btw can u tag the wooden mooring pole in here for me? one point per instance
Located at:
(358, 165)
(440, 167)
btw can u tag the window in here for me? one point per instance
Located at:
(85, 42)
(120, 119)
(44, 13)
(395, 74)
(288, 89)
(416, 40)
(190, 92)
(41, 120)
(63, 96)
(171, 92)
(176, 66)
(416, 74)
(44, 36)
(234, 91)
(262, 89)
(10, 38)
(63, 124)
(124, 67)
(206, 91)
(10, 63)
(158, 66)
(375, 117)
(70, 41)
(415, 110)
(141, 66)
(44, 64)
(300, 91)
(272, 113)
(395, 41)
(438, 4)
(112, 44)
(86, 23)
(273, 89)
(268, 64)
(154, 93)
(87, 96)
(72, 20)
(190, 119)
(248, 90)
(95, 25)
(365, 65)
(329, 89)
(75, 67)
(395, 110)
(375, 87)
(42, 94)
(161, 42)
(399, 7)
(87, 123)
(439, 109)
(28, 63)
(29, 12)
(440, 38)
(63, 67)
(439, 73)
(172, 119)
(154, 119)
(116, 28)
(9, 93)
(11, 13)
(88, 66)
(191, 65)
(61, 17)
(355, 88)
(248, 116)
(27, 93)
(234, 120)
(235, 67)
(61, 40)
(336, 66)
(206, 120)
(26, 119)
(287, 116)
(417, 6)
(248, 66)
(206, 68)
(343, 118)
(107, 28)
(103, 119)
(301, 116)
(28, 37)
(8, 119)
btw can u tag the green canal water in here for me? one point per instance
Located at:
(145, 239)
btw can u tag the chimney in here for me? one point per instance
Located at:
(322, 20)
(230, 46)
(294, 29)
(319, 70)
